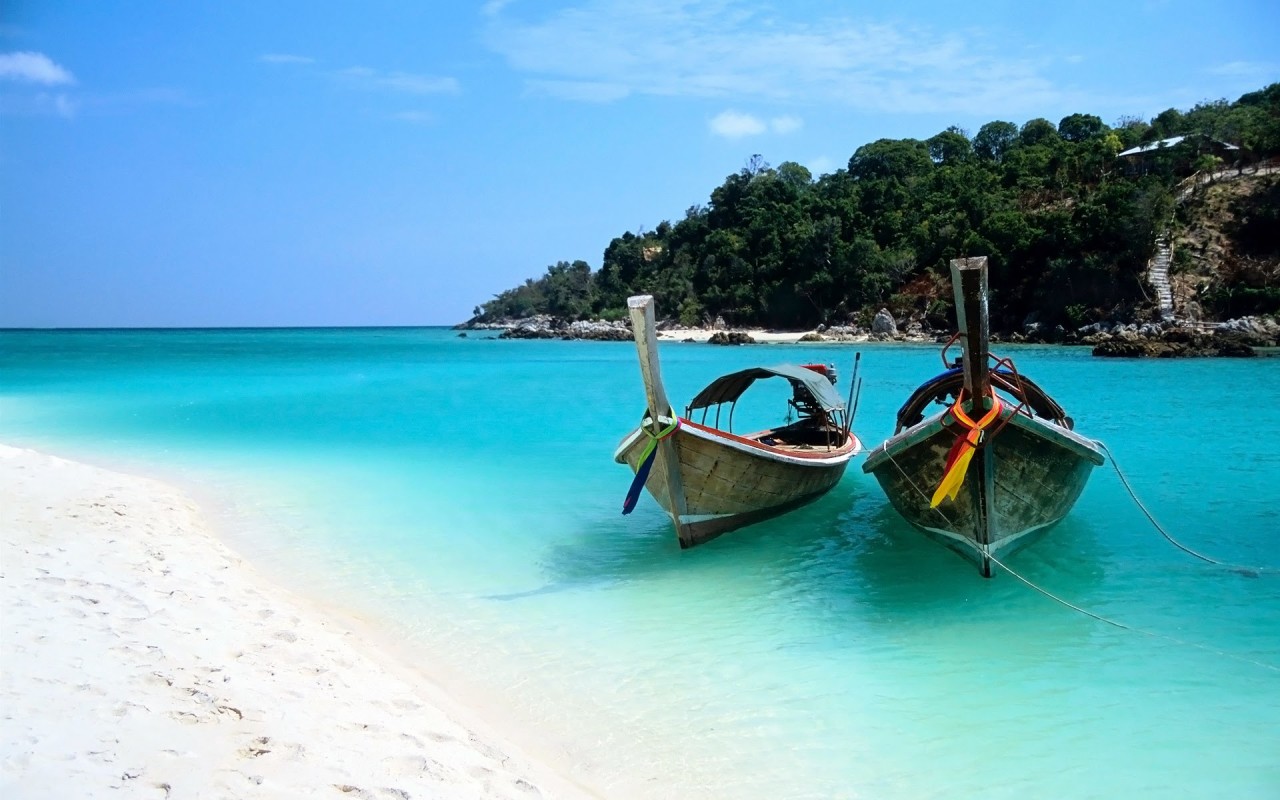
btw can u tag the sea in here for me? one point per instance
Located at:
(459, 494)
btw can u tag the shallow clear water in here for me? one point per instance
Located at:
(461, 492)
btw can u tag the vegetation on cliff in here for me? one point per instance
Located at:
(1067, 225)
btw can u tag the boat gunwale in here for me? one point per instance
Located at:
(1054, 434)
(817, 459)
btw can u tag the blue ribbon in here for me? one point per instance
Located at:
(646, 463)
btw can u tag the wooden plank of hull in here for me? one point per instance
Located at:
(725, 488)
(1038, 470)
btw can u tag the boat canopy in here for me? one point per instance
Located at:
(728, 388)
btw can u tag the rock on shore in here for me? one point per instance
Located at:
(548, 327)
(731, 337)
(1235, 338)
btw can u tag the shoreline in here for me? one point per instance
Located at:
(143, 653)
(761, 336)
(1120, 342)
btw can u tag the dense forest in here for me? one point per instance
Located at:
(1068, 227)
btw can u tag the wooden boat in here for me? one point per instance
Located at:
(711, 481)
(1000, 464)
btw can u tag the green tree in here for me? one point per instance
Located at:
(1067, 230)
(1080, 127)
(889, 159)
(994, 140)
(1037, 131)
(951, 147)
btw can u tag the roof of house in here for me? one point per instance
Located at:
(1170, 142)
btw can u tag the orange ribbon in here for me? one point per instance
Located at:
(961, 453)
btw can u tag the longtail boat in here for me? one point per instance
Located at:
(1000, 464)
(711, 480)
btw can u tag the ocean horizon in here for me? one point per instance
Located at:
(459, 495)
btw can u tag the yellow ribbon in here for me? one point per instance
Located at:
(962, 451)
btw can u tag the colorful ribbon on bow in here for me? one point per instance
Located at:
(646, 461)
(961, 453)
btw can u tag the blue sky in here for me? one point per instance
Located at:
(397, 163)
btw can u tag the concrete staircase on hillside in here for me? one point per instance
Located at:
(1158, 276)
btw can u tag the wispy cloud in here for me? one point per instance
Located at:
(42, 104)
(416, 117)
(28, 67)
(137, 98)
(733, 125)
(724, 49)
(406, 82)
(1246, 69)
(494, 7)
(285, 58)
(586, 91)
(736, 125)
(787, 124)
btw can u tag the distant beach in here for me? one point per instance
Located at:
(143, 656)
(758, 335)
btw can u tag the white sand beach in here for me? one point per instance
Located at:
(763, 336)
(759, 335)
(143, 658)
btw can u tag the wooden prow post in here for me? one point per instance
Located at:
(644, 328)
(969, 280)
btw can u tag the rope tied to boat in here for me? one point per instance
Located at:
(1122, 626)
(966, 444)
(1086, 612)
(1240, 568)
(647, 456)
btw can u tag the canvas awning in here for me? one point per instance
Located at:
(729, 388)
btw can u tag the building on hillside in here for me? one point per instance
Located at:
(1185, 149)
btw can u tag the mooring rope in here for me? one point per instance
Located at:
(919, 491)
(1169, 537)
(1086, 612)
(1123, 626)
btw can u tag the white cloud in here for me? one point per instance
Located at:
(33, 68)
(493, 8)
(734, 125)
(64, 106)
(586, 91)
(41, 104)
(786, 124)
(1244, 69)
(419, 84)
(285, 58)
(406, 82)
(726, 49)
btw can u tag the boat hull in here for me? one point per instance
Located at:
(1021, 483)
(728, 481)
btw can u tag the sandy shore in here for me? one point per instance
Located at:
(760, 335)
(143, 658)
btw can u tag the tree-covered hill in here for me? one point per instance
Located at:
(1068, 227)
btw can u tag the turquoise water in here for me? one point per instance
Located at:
(461, 493)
